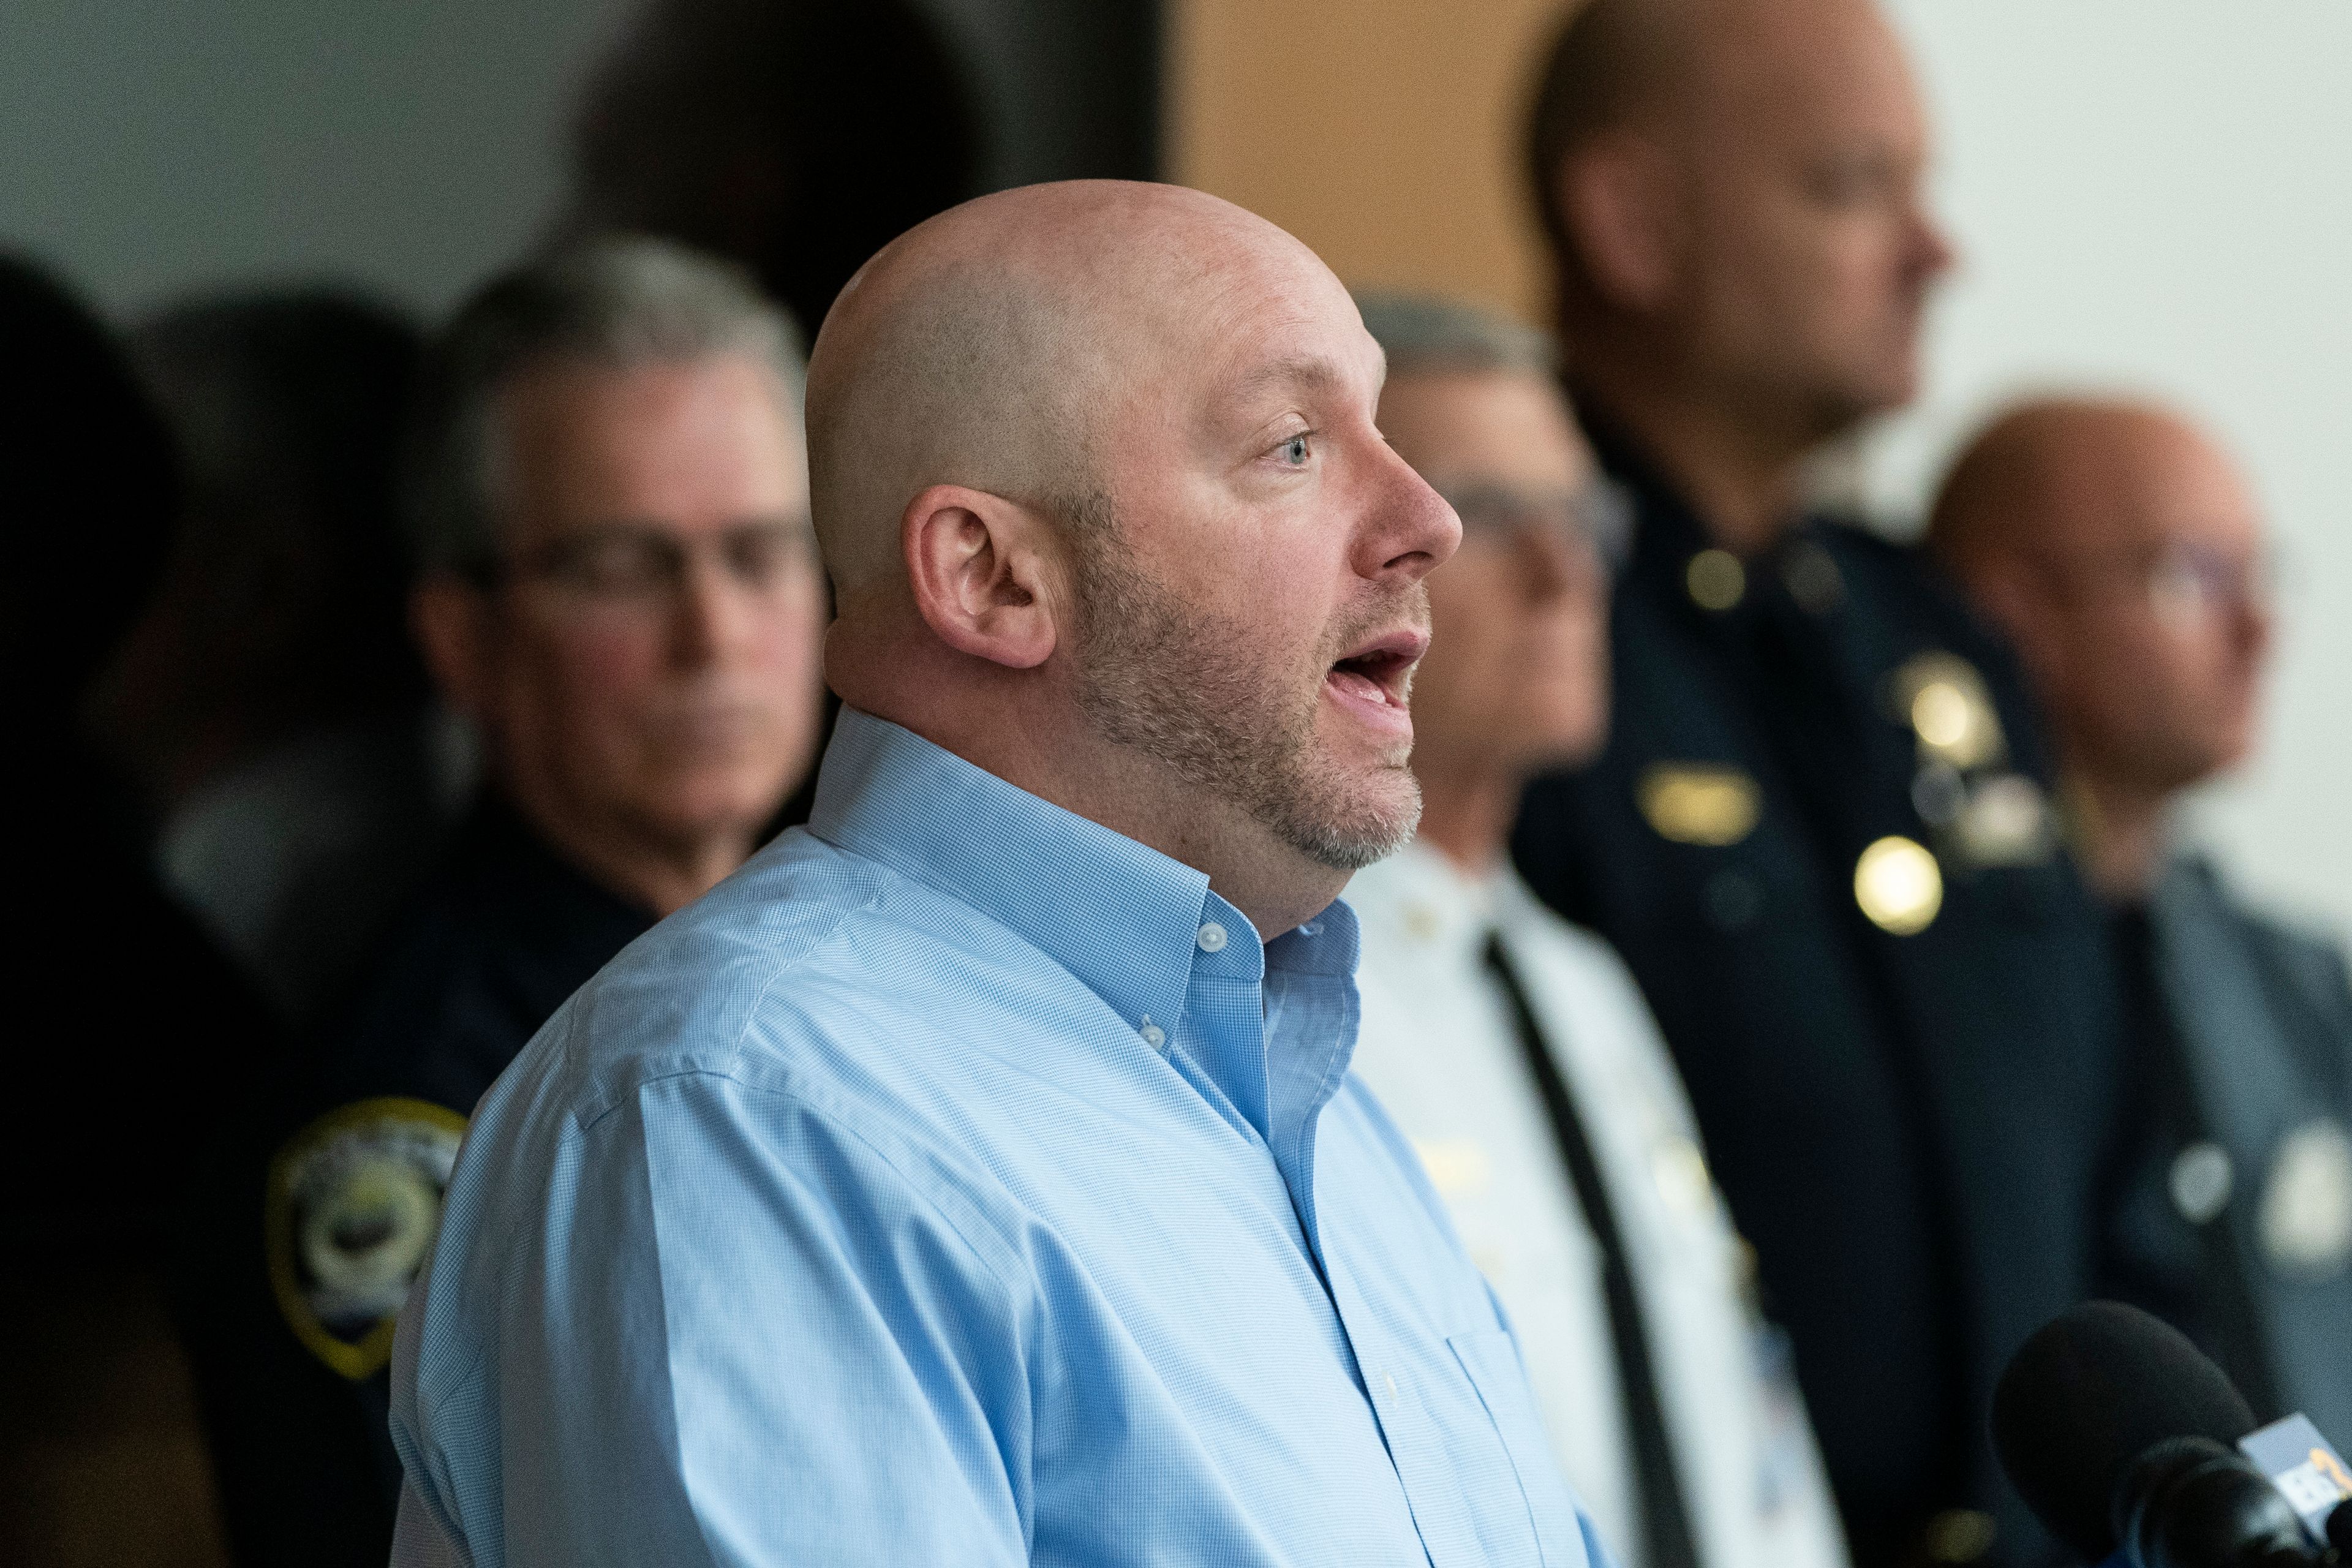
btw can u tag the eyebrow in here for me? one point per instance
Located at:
(1306, 371)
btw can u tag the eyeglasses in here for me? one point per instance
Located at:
(630, 566)
(2182, 579)
(1597, 515)
(2187, 579)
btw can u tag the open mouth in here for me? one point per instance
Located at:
(1380, 674)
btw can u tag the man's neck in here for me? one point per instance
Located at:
(1274, 885)
(2121, 833)
(1053, 752)
(1746, 483)
(1466, 816)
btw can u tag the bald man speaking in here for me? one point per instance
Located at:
(976, 1177)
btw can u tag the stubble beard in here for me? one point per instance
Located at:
(1178, 683)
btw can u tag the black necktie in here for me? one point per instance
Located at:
(1665, 1526)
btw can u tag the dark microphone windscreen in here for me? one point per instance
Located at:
(2088, 1394)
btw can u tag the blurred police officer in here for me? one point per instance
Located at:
(1819, 833)
(1512, 1047)
(2125, 555)
(620, 591)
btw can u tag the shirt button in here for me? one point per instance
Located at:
(1213, 938)
(1716, 580)
(1153, 1036)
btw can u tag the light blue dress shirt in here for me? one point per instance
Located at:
(960, 1183)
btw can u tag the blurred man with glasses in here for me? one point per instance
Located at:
(1512, 1047)
(2123, 553)
(619, 591)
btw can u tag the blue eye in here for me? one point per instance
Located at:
(1295, 451)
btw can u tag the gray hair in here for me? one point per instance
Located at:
(1425, 335)
(623, 301)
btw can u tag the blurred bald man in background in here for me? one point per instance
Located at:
(1819, 833)
(2125, 553)
(976, 1176)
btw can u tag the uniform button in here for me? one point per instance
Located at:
(1716, 580)
(2201, 1181)
(1943, 700)
(1943, 717)
(1213, 938)
(1899, 886)
(2306, 1204)
(1959, 1535)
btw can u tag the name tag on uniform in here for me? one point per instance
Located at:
(1697, 803)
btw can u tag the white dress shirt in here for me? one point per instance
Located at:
(1439, 1047)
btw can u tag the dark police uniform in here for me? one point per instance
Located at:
(1821, 836)
(2238, 1215)
(330, 1198)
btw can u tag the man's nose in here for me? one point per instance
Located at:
(1414, 529)
(712, 614)
(1932, 251)
(2251, 625)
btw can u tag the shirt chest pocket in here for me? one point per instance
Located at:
(1496, 1500)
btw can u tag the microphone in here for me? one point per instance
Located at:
(2119, 1434)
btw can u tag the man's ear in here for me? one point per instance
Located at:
(1618, 204)
(2014, 598)
(978, 564)
(450, 618)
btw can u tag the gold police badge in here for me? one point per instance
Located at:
(1944, 701)
(1710, 803)
(353, 1204)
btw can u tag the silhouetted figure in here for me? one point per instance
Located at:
(127, 1030)
(270, 702)
(796, 137)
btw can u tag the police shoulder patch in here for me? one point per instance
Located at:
(352, 1206)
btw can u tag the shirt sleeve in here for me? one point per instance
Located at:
(745, 1336)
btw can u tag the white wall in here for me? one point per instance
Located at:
(2156, 194)
(151, 148)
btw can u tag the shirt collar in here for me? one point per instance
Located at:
(1123, 919)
